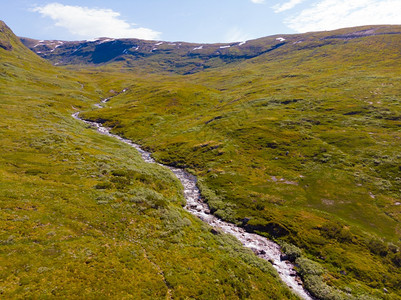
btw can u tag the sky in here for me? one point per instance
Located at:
(205, 21)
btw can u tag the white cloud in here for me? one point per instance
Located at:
(334, 14)
(91, 23)
(286, 6)
(258, 1)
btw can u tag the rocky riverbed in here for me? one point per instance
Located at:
(261, 246)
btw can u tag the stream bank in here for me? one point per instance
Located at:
(261, 246)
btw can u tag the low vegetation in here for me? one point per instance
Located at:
(303, 141)
(82, 216)
(299, 143)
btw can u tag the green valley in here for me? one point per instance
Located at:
(295, 138)
(82, 216)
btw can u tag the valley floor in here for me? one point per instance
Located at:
(299, 144)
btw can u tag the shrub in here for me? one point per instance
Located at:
(104, 199)
(378, 247)
(336, 231)
(148, 198)
(319, 289)
(308, 267)
(104, 185)
(397, 259)
(292, 252)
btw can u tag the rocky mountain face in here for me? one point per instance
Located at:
(178, 57)
(186, 58)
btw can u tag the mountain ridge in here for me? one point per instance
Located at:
(182, 57)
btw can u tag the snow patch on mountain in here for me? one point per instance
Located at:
(105, 41)
(40, 43)
(77, 49)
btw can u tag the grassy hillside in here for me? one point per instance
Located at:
(303, 141)
(82, 216)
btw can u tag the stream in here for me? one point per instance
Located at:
(261, 246)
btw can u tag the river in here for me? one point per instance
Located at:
(261, 246)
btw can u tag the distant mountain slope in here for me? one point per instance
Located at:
(178, 57)
(185, 58)
(12, 44)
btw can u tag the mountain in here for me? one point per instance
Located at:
(83, 216)
(186, 58)
(178, 57)
(292, 137)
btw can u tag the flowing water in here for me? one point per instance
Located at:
(261, 246)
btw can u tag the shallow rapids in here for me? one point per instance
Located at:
(261, 246)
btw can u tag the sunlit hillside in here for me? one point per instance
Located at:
(303, 141)
(82, 216)
(293, 137)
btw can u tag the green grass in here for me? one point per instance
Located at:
(82, 216)
(304, 140)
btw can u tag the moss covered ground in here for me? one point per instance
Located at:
(82, 216)
(303, 140)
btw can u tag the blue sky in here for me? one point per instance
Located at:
(190, 20)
